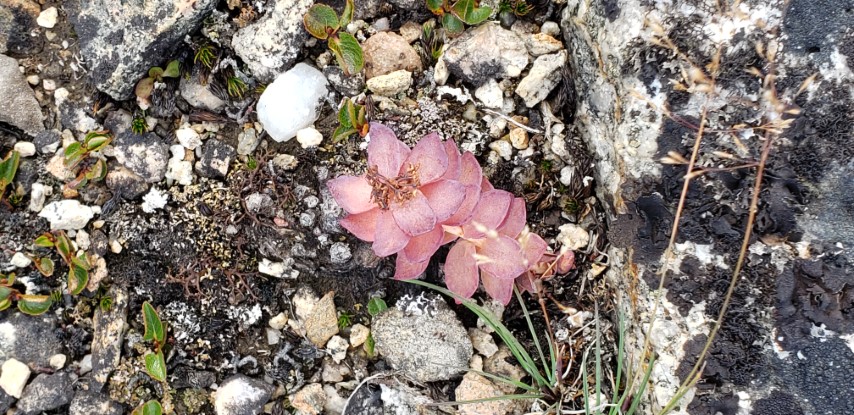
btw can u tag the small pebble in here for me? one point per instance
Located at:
(502, 148)
(49, 84)
(20, 260)
(309, 137)
(57, 361)
(519, 138)
(115, 246)
(279, 321)
(359, 334)
(26, 148)
(33, 80)
(550, 28)
(47, 18)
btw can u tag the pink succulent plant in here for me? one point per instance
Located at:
(411, 202)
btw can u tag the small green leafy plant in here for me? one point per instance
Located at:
(431, 41)
(206, 55)
(79, 158)
(518, 7)
(78, 266)
(8, 169)
(151, 407)
(235, 87)
(27, 304)
(323, 22)
(145, 86)
(455, 15)
(345, 320)
(376, 306)
(155, 332)
(138, 124)
(351, 120)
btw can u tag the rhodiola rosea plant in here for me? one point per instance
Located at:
(410, 202)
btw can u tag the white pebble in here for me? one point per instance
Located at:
(309, 137)
(20, 260)
(57, 361)
(26, 148)
(47, 18)
(502, 148)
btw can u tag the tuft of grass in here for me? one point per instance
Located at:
(236, 87)
(206, 55)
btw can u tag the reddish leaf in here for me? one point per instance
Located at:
(501, 257)
(430, 157)
(489, 213)
(515, 220)
(565, 262)
(533, 248)
(470, 171)
(385, 151)
(497, 288)
(445, 197)
(352, 193)
(453, 172)
(363, 225)
(420, 248)
(461, 274)
(405, 270)
(485, 185)
(414, 216)
(388, 238)
(466, 209)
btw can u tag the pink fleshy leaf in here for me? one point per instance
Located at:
(385, 151)
(414, 216)
(448, 238)
(453, 172)
(420, 248)
(501, 257)
(489, 213)
(430, 157)
(461, 274)
(515, 220)
(363, 225)
(352, 193)
(445, 197)
(526, 282)
(466, 209)
(533, 248)
(565, 263)
(470, 171)
(388, 238)
(405, 270)
(485, 185)
(497, 288)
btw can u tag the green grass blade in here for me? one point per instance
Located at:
(492, 399)
(549, 373)
(506, 380)
(586, 389)
(598, 361)
(639, 396)
(621, 342)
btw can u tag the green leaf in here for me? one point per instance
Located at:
(98, 171)
(34, 304)
(452, 24)
(78, 277)
(173, 70)
(45, 240)
(347, 52)
(5, 292)
(151, 407)
(376, 306)
(5, 303)
(342, 133)
(467, 11)
(435, 6)
(44, 265)
(96, 141)
(8, 168)
(321, 21)
(155, 73)
(144, 88)
(63, 246)
(347, 14)
(154, 330)
(369, 345)
(74, 154)
(155, 366)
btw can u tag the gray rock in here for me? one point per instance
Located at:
(121, 41)
(72, 115)
(198, 95)
(339, 253)
(18, 106)
(271, 45)
(322, 322)
(386, 52)
(408, 4)
(32, 340)
(129, 184)
(89, 403)
(47, 142)
(544, 75)
(215, 160)
(242, 395)
(146, 155)
(345, 85)
(486, 52)
(428, 346)
(6, 401)
(185, 377)
(46, 392)
(260, 203)
(17, 21)
(108, 330)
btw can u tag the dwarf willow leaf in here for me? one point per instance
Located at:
(154, 330)
(97, 141)
(8, 168)
(435, 6)
(144, 88)
(347, 52)
(347, 14)
(452, 24)
(34, 304)
(78, 277)
(321, 21)
(151, 407)
(5, 293)
(467, 11)
(155, 366)
(173, 69)
(376, 306)
(5, 303)
(45, 240)
(44, 265)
